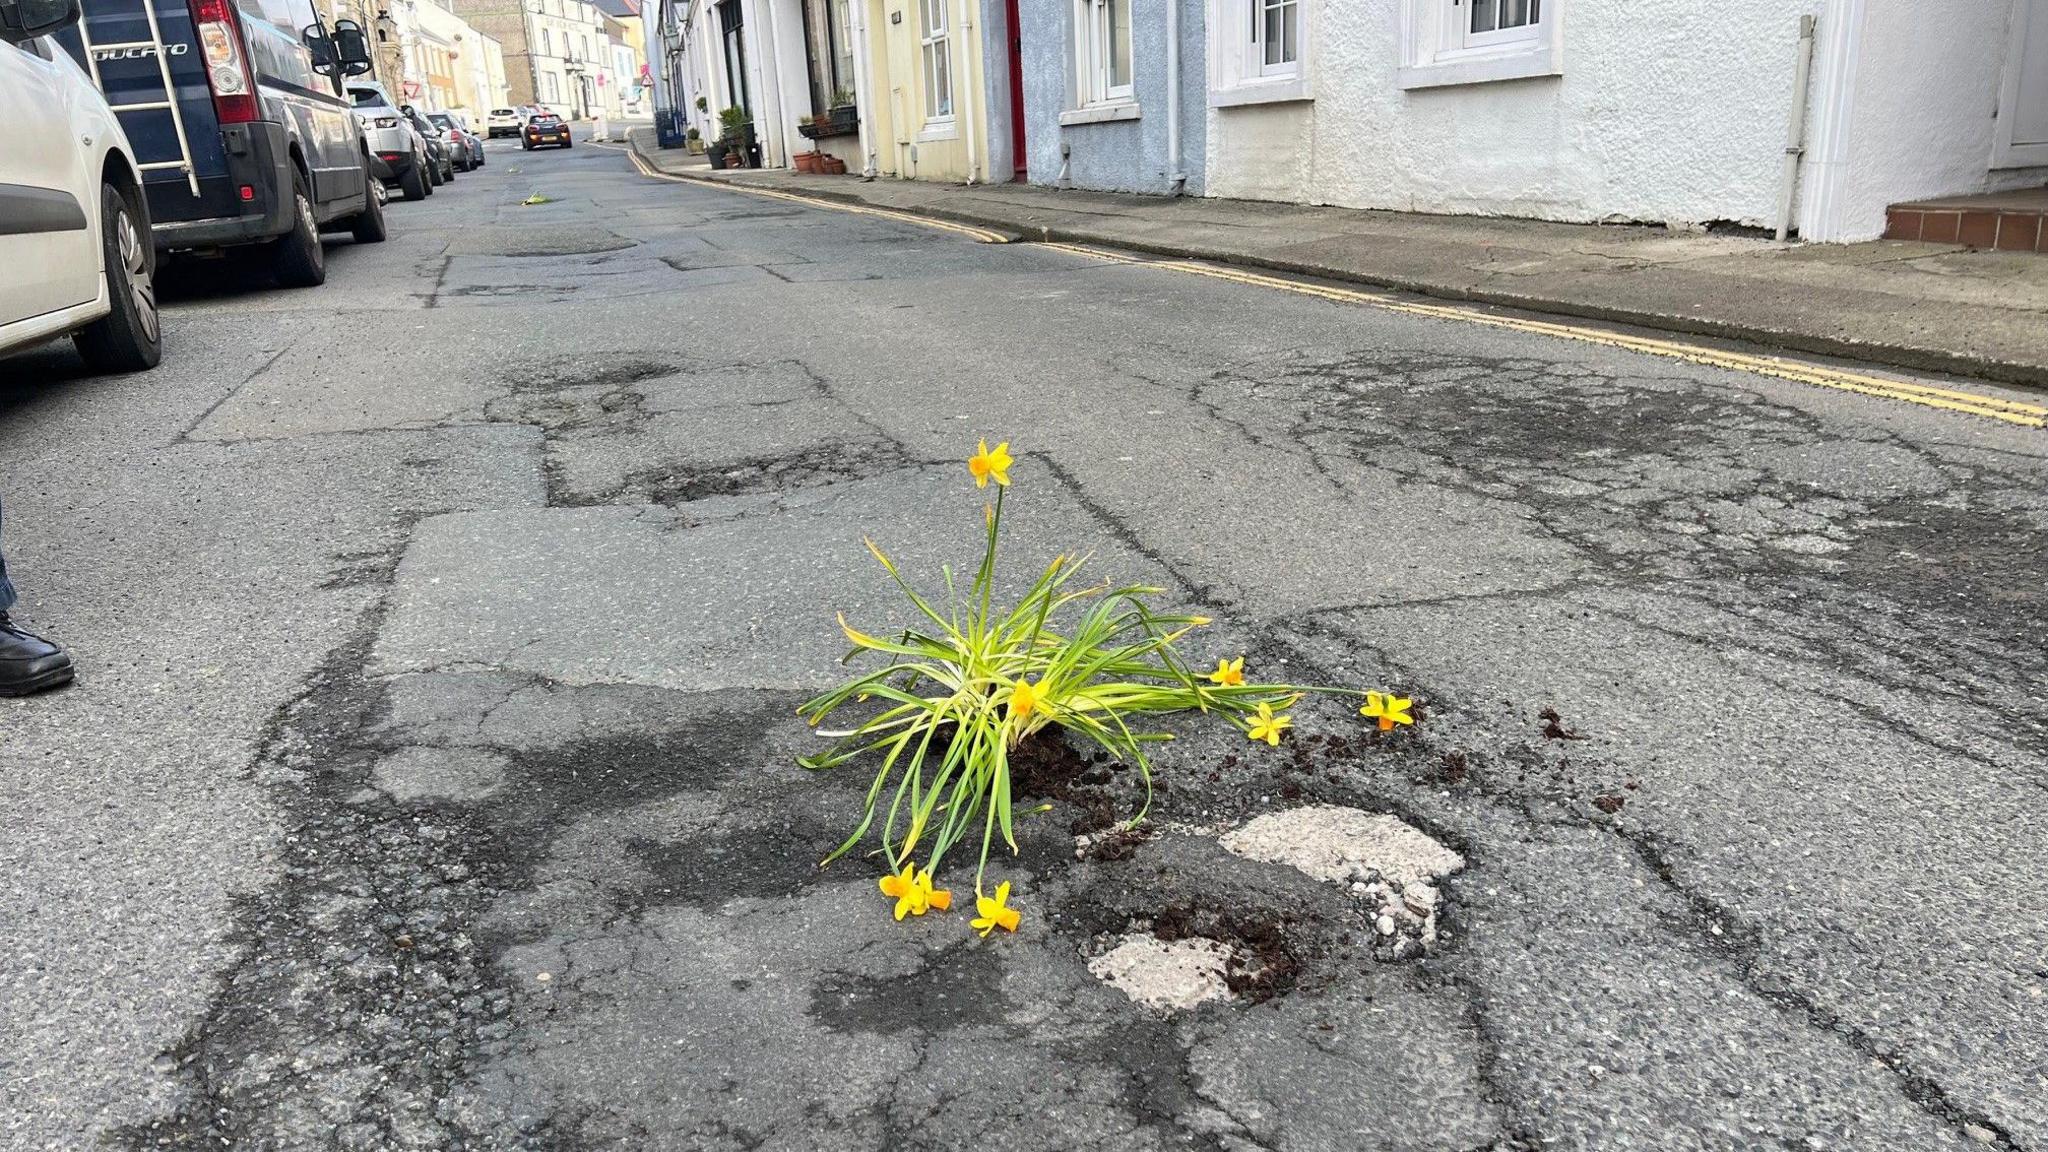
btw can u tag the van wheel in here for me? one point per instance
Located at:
(127, 338)
(368, 225)
(296, 258)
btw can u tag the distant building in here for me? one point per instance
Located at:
(630, 74)
(555, 50)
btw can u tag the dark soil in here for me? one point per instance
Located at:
(1263, 962)
(1048, 767)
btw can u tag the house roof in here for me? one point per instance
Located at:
(623, 9)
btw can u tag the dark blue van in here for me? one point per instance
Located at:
(235, 113)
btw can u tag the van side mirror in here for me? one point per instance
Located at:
(22, 20)
(319, 46)
(351, 48)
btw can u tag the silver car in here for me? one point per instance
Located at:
(464, 146)
(391, 136)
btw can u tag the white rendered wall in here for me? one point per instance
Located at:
(1919, 121)
(1668, 110)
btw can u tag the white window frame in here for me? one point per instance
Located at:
(1438, 47)
(1259, 44)
(1238, 72)
(1093, 45)
(935, 43)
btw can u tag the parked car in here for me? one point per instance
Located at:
(546, 129)
(75, 252)
(503, 122)
(393, 139)
(467, 146)
(443, 167)
(238, 121)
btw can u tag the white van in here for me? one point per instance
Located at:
(75, 251)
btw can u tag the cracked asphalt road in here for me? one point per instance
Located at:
(428, 781)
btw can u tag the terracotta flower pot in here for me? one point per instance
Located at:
(833, 165)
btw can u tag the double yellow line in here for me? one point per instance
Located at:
(978, 235)
(2026, 415)
(1976, 404)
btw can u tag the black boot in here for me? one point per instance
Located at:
(29, 663)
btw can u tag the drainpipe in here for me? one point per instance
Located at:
(1795, 130)
(1177, 180)
(966, 113)
(771, 79)
(861, 99)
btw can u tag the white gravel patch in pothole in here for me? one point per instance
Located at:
(1167, 976)
(1383, 860)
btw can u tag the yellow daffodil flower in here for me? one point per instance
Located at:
(1268, 727)
(911, 899)
(987, 465)
(940, 898)
(1389, 710)
(1023, 699)
(996, 913)
(1228, 673)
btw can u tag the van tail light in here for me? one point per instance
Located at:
(227, 63)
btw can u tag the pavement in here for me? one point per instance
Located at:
(429, 781)
(1932, 307)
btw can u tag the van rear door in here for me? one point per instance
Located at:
(128, 73)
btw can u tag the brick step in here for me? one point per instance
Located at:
(2008, 221)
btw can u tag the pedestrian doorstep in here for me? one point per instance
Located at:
(1929, 307)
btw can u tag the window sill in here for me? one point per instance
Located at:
(1281, 91)
(1099, 114)
(938, 130)
(1516, 64)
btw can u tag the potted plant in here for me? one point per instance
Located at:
(831, 165)
(694, 141)
(843, 117)
(702, 106)
(736, 128)
(807, 127)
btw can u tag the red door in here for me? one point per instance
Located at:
(1016, 88)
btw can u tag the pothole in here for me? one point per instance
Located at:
(823, 464)
(1383, 861)
(608, 370)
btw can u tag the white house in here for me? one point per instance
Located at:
(1647, 110)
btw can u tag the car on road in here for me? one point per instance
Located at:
(503, 122)
(441, 157)
(75, 251)
(240, 128)
(466, 146)
(393, 139)
(545, 130)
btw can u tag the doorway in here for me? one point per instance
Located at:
(2023, 101)
(1017, 89)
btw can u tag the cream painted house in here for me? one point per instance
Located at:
(912, 88)
(937, 103)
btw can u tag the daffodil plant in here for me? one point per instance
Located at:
(970, 680)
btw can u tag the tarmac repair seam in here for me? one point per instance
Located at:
(1975, 404)
(980, 235)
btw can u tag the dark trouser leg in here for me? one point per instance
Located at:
(6, 588)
